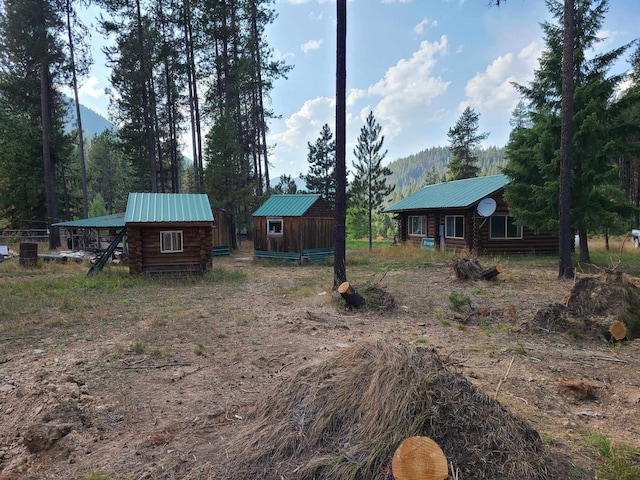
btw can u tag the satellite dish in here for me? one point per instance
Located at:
(486, 207)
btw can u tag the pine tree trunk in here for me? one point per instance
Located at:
(566, 140)
(339, 260)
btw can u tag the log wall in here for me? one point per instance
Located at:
(145, 255)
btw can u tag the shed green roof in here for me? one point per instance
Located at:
(168, 207)
(115, 220)
(288, 205)
(455, 194)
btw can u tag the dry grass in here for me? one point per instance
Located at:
(344, 418)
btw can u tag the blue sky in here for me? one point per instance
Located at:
(415, 63)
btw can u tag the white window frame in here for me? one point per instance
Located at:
(423, 221)
(171, 241)
(454, 234)
(505, 219)
(273, 221)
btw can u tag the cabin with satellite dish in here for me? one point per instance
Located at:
(467, 215)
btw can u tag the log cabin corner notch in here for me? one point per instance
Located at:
(444, 217)
(169, 233)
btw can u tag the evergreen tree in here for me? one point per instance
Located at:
(110, 175)
(286, 185)
(369, 188)
(32, 68)
(464, 139)
(534, 151)
(322, 159)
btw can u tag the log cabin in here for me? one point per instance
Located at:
(296, 227)
(467, 215)
(169, 233)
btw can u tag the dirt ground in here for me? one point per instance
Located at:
(149, 382)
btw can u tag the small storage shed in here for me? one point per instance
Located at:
(169, 233)
(470, 215)
(294, 226)
(222, 240)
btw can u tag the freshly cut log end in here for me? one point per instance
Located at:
(618, 330)
(419, 458)
(491, 272)
(350, 296)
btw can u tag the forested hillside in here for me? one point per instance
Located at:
(92, 123)
(429, 166)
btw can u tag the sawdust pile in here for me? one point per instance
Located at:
(345, 417)
(595, 302)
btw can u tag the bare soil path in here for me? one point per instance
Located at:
(148, 382)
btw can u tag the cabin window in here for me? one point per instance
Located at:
(171, 241)
(274, 227)
(417, 226)
(503, 226)
(454, 226)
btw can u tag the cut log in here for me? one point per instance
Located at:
(489, 273)
(419, 458)
(350, 296)
(618, 330)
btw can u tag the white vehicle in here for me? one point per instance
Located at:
(635, 235)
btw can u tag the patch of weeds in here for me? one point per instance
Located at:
(509, 292)
(445, 323)
(519, 349)
(241, 320)
(138, 348)
(255, 341)
(458, 302)
(615, 347)
(225, 275)
(489, 328)
(618, 461)
(199, 350)
(461, 326)
(161, 353)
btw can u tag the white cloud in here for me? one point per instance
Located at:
(311, 45)
(492, 89)
(278, 55)
(425, 22)
(306, 123)
(354, 95)
(88, 88)
(409, 86)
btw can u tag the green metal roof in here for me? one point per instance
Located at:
(454, 194)
(115, 220)
(168, 207)
(289, 205)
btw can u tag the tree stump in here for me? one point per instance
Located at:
(419, 458)
(491, 272)
(350, 296)
(618, 330)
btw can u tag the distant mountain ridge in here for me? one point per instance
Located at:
(92, 122)
(411, 173)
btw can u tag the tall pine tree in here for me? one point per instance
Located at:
(534, 151)
(322, 159)
(464, 139)
(369, 187)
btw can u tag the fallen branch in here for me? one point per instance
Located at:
(133, 367)
(503, 379)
